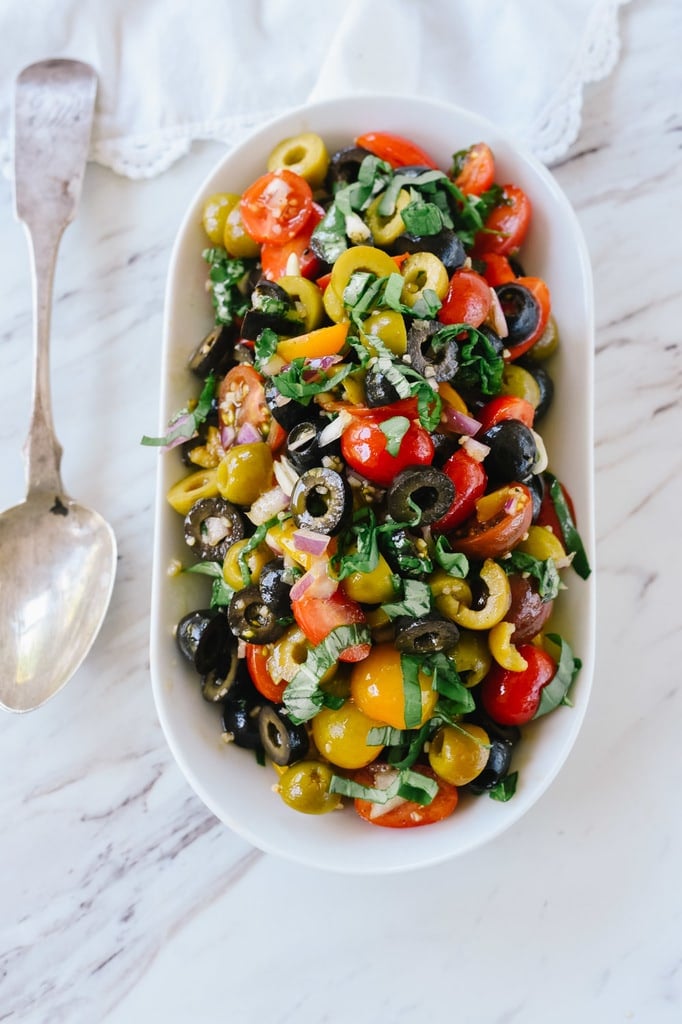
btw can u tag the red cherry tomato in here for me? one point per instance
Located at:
(407, 814)
(468, 299)
(274, 258)
(470, 480)
(506, 225)
(502, 531)
(276, 206)
(395, 150)
(547, 515)
(506, 407)
(477, 170)
(540, 291)
(512, 698)
(363, 446)
(498, 270)
(318, 616)
(257, 663)
(241, 399)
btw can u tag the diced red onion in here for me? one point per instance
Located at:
(476, 450)
(310, 542)
(315, 583)
(248, 434)
(460, 422)
(227, 436)
(511, 504)
(324, 362)
(268, 505)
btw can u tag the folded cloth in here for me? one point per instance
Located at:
(175, 71)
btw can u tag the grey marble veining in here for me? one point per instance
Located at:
(122, 900)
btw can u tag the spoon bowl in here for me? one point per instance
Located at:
(57, 558)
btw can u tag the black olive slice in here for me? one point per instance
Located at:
(275, 583)
(344, 166)
(286, 411)
(303, 450)
(251, 619)
(321, 501)
(427, 355)
(271, 307)
(240, 711)
(283, 742)
(215, 353)
(446, 245)
(420, 489)
(378, 388)
(212, 525)
(217, 682)
(425, 635)
(190, 630)
(521, 311)
(513, 451)
(215, 646)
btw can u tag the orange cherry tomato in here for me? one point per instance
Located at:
(506, 407)
(256, 661)
(506, 225)
(477, 170)
(407, 814)
(325, 341)
(318, 616)
(274, 258)
(276, 207)
(395, 150)
(241, 399)
(493, 537)
(513, 698)
(468, 299)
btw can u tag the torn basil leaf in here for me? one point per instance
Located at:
(415, 600)
(572, 538)
(504, 790)
(394, 430)
(453, 562)
(303, 696)
(556, 691)
(185, 424)
(543, 570)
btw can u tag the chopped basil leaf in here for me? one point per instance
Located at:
(291, 383)
(387, 736)
(329, 236)
(415, 601)
(395, 429)
(569, 530)
(225, 275)
(427, 305)
(556, 691)
(422, 218)
(479, 364)
(412, 692)
(454, 562)
(420, 789)
(447, 682)
(504, 790)
(265, 346)
(543, 570)
(251, 544)
(221, 592)
(303, 696)
(356, 791)
(185, 424)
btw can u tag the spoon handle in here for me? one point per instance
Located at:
(53, 111)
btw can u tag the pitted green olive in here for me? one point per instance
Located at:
(305, 787)
(359, 258)
(307, 298)
(420, 271)
(389, 327)
(386, 229)
(304, 154)
(245, 472)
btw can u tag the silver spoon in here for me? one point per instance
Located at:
(57, 558)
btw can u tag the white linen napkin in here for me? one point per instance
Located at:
(174, 71)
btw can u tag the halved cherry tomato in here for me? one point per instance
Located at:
(506, 407)
(506, 225)
(407, 814)
(477, 170)
(498, 270)
(403, 407)
(363, 446)
(256, 661)
(547, 515)
(325, 341)
(512, 698)
(318, 616)
(276, 207)
(274, 258)
(540, 291)
(501, 520)
(241, 399)
(395, 150)
(470, 480)
(468, 299)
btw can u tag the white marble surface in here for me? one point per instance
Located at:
(122, 900)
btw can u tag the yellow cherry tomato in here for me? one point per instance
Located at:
(340, 735)
(378, 688)
(459, 754)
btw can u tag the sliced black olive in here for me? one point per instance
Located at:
(283, 742)
(344, 167)
(215, 353)
(303, 449)
(217, 682)
(521, 311)
(445, 445)
(271, 307)
(425, 635)
(275, 583)
(544, 383)
(536, 485)
(190, 630)
(321, 501)
(378, 388)
(428, 355)
(287, 411)
(497, 767)
(446, 245)
(406, 554)
(212, 525)
(513, 451)
(420, 490)
(240, 711)
(215, 647)
(251, 619)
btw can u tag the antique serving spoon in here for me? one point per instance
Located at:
(57, 558)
